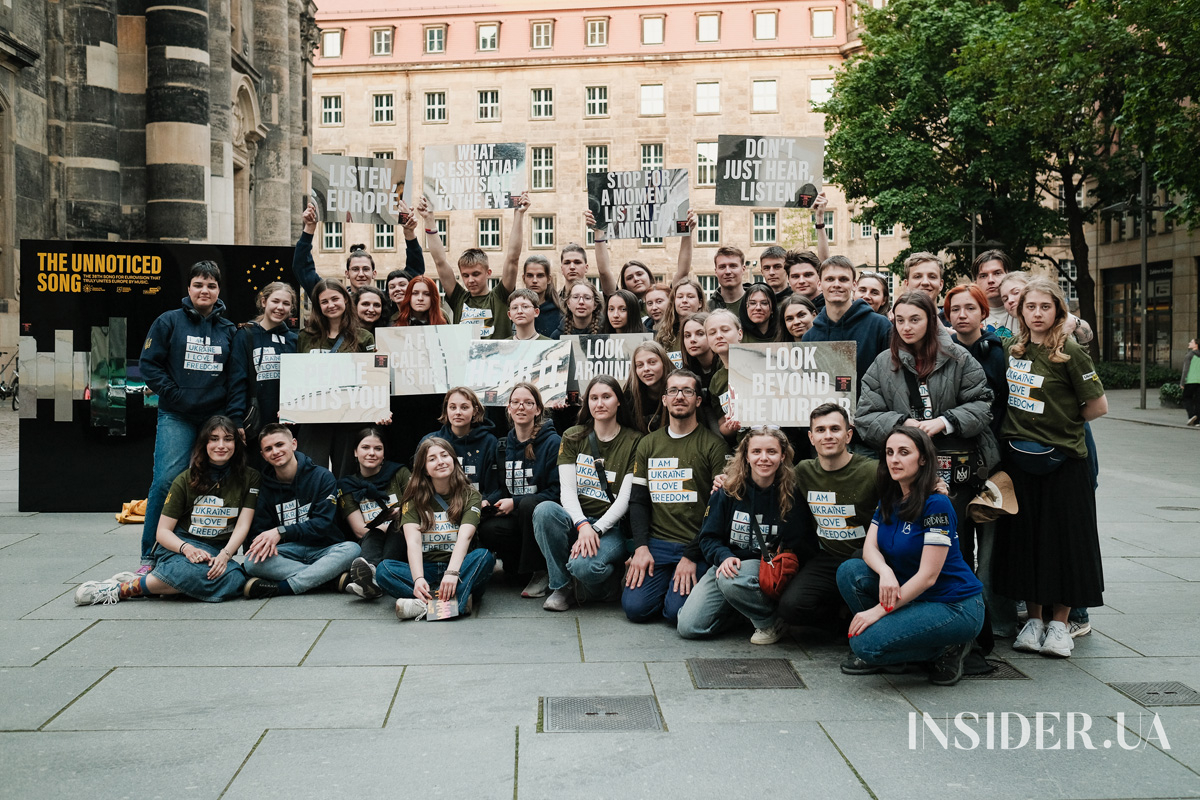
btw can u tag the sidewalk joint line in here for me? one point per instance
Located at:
(328, 622)
(516, 757)
(848, 764)
(654, 694)
(243, 764)
(1156, 745)
(579, 636)
(67, 642)
(392, 704)
(76, 699)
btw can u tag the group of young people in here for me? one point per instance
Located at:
(653, 494)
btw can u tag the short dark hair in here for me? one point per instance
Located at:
(794, 257)
(688, 374)
(990, 255)
(774, 251)
(273, 428)
(397, 273)
(205, 269)
(825, 409)
(840, 262)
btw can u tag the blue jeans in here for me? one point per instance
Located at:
(656, 597)
(304, 566)
(717, 602)
(555, 533)
(395, 577)
(173, 442)
(918, 631)
(192, 579)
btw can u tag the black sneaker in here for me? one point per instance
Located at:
(856, 666)
(258, 589)
(362, 572)
(947, 669)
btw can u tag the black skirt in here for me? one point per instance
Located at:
(1049, 552)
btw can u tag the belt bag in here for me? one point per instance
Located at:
(1034, 458)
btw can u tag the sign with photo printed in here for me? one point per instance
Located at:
(773, 171)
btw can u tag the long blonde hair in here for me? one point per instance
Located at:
(738, 476)
(1056, 337)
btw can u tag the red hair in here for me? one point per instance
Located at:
(435, 315)
(976, 294)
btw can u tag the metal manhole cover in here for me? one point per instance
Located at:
(744, 673)
(1177, 508)
(1003, 672)
(1159, 693)
(625, 713)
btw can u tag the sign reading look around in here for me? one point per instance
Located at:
(776, 171)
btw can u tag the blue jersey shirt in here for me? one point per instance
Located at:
(902, 544)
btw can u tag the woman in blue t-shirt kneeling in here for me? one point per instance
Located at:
(915, 598)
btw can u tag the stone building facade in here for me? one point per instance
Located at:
(124, 120)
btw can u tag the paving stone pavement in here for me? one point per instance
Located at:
(327, 695)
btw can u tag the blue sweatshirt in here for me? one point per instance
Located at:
(859, 324)
(305, 269)
(254, 370)
(305, 510)
(539, 478)
(549, 321)
(478, 452)
(726, 531)
(184, 358)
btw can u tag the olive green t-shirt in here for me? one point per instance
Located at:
(308, 343)
(840, 503)
(617, 455)
(719, 396)
(211, 516)
(1045, 399)
(488, 312)
(438, 543)
(679, 475)
(369, 508)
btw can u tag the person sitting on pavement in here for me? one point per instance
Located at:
(297, 545)
(369, 501)
(913, 596)
(466, 427)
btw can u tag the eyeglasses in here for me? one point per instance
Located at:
(522, 404)
(676, 391)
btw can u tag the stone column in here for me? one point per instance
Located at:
(273, 186)
(178, 142)
(221, 200)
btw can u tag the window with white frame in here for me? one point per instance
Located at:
(331, 43)
(597, 32)
(435, 39)
(597, 101)
(708, 229)
(1067, 284)
(653, 100)
(541, 104)
(828, 224)
(435, 106)
(383, 154)
(764, 24)
(442, 226)
(331, 109)
(489, 233)
(331, 236)
(385, 237)
(541, 35)
(652, 156)
(763, 231)
(590, 237)
(487, 35)
(708, 283)
(384, 108)
(820, 90)
(763, 96)
(652, 30)
(542, 160)
(381, 42)
(489, 104)
(708, 97)
(708, 27)
(597, 158)
(887, 230)
(706, 163)
(543, 232)
(865, 231)
(823, 25)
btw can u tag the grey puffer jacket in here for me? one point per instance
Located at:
(958, 389)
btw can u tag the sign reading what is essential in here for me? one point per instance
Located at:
(470, 177)
(334, 387)
(776, 171)
(780, 384)
(359, 189)
(642, 204)
(493, 367)
(602, 354)
(425, 359)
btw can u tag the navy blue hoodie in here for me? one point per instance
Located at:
(305, 510)
(540, 478)
(726, 531)
(988, 350)
(305, 269)
(254, 370)
(184, 358)
(859, 324)
(478, 452)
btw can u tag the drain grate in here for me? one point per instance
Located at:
(744, 673)
(625, 713)
(1004, 672)
(1159, 693)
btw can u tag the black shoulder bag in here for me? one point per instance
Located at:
(960, 462)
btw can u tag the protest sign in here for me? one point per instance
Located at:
(640, 204)
(493, 366)
(603, 354)
(425, 359)
(780, 384)
(467, 177)
(354, 189)
(334, 387)
(776, 171)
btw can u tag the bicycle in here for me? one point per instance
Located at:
(13, 389)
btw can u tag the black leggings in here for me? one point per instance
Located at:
(510, 537)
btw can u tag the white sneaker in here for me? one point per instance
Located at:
(770, 635)
(1029, 640)
(538, 585)
(124, 577)
(1079, 629)
(97, 592)
(409, 608)
(1058, 641)
(559, 600)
